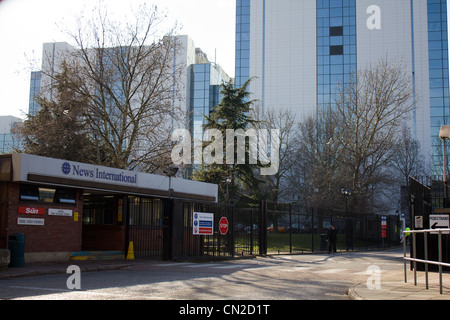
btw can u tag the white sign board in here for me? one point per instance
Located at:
(439, 221)
(203, 224)
(60, 212)
(26, 164)
(30, 221)
(418, 222)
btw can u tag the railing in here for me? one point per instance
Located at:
(425, 260)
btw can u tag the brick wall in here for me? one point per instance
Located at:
(58, 234)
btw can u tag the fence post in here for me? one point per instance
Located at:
(404, 256)
(425, 243)
(232, 226)
(312, 229)
(440, 260)
(290, 228)
(263, 228)
(415, 257)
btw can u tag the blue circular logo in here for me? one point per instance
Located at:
(65, 168)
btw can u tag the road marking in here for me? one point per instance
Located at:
(233, 266)
(40, 288)
(331, 271)
(203, 265)
(176, 264)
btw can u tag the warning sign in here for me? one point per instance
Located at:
(203, 223)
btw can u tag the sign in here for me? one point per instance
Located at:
(418, 222)
(60, 212)
(31, 210)
(223, 226)
(383, 227)
(106, 178)
(203, 223)
(30, 221)
(439, 221)
(75, 216)
(383, 223)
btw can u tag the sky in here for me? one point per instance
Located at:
(26, 24)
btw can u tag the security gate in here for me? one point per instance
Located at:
(145, 227)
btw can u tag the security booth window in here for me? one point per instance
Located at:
(98, 210)
(47, 194)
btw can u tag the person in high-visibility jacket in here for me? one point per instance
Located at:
(407, 234)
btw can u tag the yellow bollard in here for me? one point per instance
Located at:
(130, 254)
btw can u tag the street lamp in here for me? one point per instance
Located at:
(348, 225)
(346, 193)
(444, 134)
(171, 171)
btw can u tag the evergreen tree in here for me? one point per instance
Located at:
(58, 130)
(236, 181)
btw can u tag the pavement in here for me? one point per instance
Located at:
(392, 287)
(399, 290)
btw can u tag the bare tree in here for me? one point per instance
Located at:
(351, 144)
(317, 176)
(284, 121)
(127, 76)
(407, 158)
(369, 112)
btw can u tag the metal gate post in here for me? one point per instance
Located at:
(263, 228)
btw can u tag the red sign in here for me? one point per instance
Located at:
(223, 226)
(383, 234)
(31, 210)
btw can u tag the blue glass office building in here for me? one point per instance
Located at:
(336, 47)
(205, 81)
(439, 73)
(299, 50)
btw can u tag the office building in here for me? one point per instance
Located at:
(35, 90)
(8, 142)
(298, 51)
(196, 87)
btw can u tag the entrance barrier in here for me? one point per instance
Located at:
(425, 260)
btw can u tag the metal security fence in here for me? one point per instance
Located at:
(215, 245)
(285, 228)
(145, 226)
(163, 229)
(295, 229)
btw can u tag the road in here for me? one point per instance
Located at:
(281, 277)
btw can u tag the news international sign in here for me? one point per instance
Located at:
(33, 169)
(97, 173)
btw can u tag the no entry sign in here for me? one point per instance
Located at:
(223, 226)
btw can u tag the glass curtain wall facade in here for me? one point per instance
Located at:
(242, 69)
(35, 90)
(204, 95)
(336, 47)
(439, 76)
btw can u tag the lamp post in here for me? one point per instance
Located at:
(346, 193)
(348, 226)
(444, 134)
(171, 171)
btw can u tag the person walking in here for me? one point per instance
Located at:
(332, 239)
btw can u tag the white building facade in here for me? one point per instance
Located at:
(299, 50)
